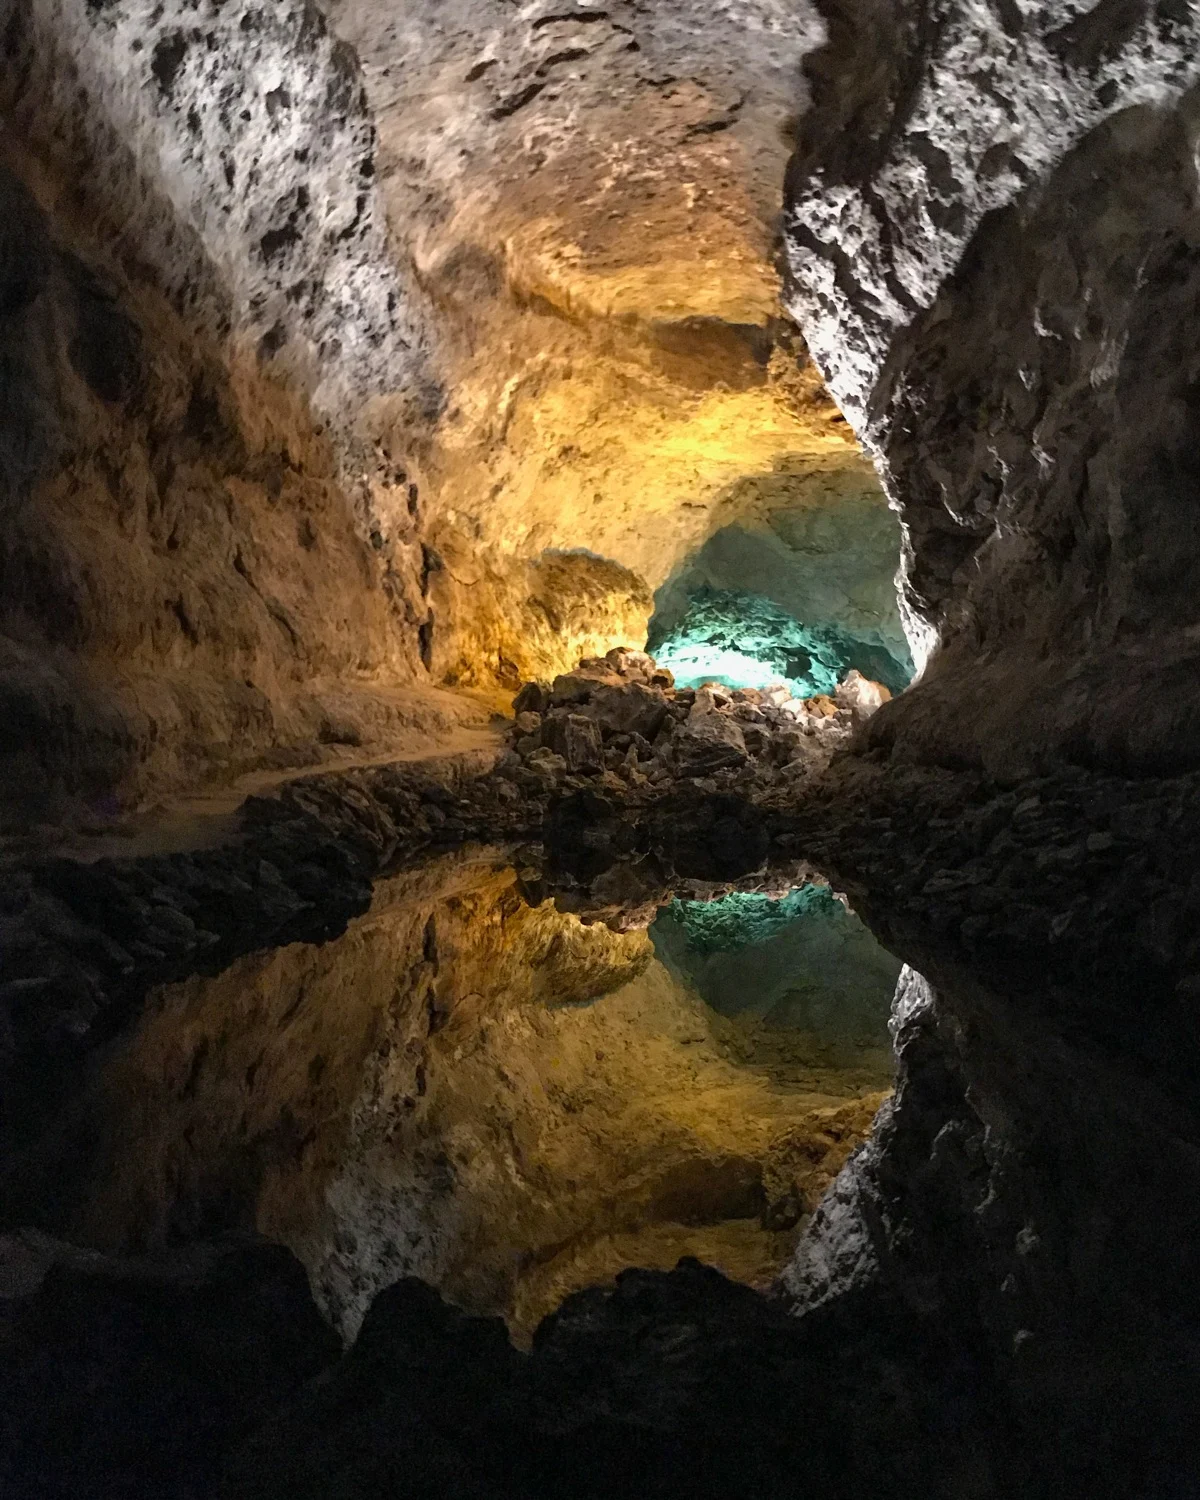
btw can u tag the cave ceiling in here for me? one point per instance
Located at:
(493, 291)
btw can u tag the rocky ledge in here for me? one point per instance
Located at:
(606, 748)
(620, 721)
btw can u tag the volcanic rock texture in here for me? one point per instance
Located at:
(992, 240)
(991, 246)
(992, 243)
(356, 350)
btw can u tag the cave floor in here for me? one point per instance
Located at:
(443, 727)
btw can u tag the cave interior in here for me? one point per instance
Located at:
(599, 802)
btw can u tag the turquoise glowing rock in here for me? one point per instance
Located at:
(743, 640)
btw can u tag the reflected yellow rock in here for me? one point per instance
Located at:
(496, 1098)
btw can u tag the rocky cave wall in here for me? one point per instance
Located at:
(188, 588)
(992, 243)
(992, 250)
(372, 351)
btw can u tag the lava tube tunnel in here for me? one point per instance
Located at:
(599, 773)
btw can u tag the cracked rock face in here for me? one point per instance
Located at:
(992, 251)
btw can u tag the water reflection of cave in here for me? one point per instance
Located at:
(803, 982)
(800, 595)
(495, 1097)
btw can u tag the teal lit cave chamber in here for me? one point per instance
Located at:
(802, 969)
(801, 597)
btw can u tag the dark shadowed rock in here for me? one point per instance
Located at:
(132, 1378)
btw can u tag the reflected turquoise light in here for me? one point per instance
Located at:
(742, 918)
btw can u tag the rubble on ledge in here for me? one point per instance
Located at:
(619, 720)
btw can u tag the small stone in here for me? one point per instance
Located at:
(577, 739)
(546, 765)
(630, 663)
(534, 697)
(860, 695)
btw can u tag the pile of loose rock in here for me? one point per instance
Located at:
(620, 720)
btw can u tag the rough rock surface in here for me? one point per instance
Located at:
(132, 1377)
(619, 722)
(992, 250)
(992, 241)
(185, 594)
(337, 365)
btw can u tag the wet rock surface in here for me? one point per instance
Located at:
(671, 1378)
(576, 1417)
(494, 1096)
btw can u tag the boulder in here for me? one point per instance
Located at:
(860, 695)
(579, 685)
(546, 765)
(577, 739)
(632, 708)
(712, 695)
(708, 740)
(636, 665)
(533, 698)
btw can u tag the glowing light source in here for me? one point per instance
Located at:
(695, 662)
(744, 640)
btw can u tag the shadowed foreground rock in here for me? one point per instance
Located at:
(131, 1378)
(145, 1379)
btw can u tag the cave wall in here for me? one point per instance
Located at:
(590, 200)
(193, 288)
(184, 591)
(471, 317)
(992, 252)
(1034, 1193)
